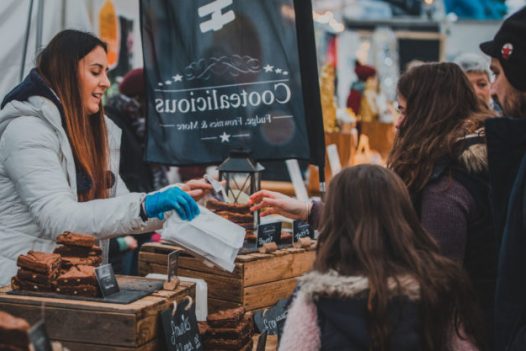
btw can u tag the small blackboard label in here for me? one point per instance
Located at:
(107, 281)
(172, 264)
(181, 332)
(270, 232)
(39, 338)
(302, 229)
(272, 319)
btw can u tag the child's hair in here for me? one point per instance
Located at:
(369, 228)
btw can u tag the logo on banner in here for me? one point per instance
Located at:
(219, 19)
(216, 98)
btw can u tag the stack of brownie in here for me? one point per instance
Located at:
(80, 256)
(78, 249)
(228, 330)
(13, 333)
(69, 270)
(234, 212)
(78, 280)
(37, 271)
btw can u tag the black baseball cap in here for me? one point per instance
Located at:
(509, 47)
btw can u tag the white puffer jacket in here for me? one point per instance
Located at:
(38, 189)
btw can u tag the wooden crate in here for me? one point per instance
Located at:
(97, 326)
(258, 280)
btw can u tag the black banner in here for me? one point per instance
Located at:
(225, 74)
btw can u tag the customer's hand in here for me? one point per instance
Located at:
(170, 198)
(270, 202)
(130, 241)
(196, 188)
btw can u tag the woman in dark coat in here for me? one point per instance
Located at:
(440, 154)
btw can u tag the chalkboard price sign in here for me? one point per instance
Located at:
(302, 229)
(39, 337)
(107, 281)
(270, 232)
(172, 265)
(181, 332)
(272, 319)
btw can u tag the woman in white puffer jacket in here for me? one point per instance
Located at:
(59, 158)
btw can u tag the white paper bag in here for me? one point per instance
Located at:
(208, 235)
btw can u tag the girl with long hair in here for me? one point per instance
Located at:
(440, 154)
(379, 282)
(59, 158)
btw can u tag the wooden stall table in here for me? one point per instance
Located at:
(98, 326)
(258, 280)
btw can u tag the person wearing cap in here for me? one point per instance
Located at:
(476, 69)
(506, 140)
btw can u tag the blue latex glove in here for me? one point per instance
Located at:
(173, 198)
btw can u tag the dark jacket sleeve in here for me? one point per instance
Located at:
(315, 214)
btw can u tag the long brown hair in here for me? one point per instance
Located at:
(58, 63)
(441, 108)
(370, 228)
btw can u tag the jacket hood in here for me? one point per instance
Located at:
(26, 100)
(333, 285)
(32, 85)
(341, 303)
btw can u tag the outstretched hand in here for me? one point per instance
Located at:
(270, 202)
(196, 188)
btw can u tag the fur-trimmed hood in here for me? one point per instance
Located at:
(474, 156)
(341, 306)
(333, 285)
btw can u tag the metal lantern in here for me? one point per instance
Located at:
(241, 174)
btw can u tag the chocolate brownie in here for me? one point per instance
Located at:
(68, 261)
(247, 226)
(13, 332)
(226, 318)
(77, 239)
(286, 236)
(226, 344)
(17, 284)
(78, 251)
(78, 290)
(250, 236)
(32, 276)
(247, 347)
(242, 330)
(203, 329)
(42, 262)
(78, 275)
(236, 217)
(216, 205)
